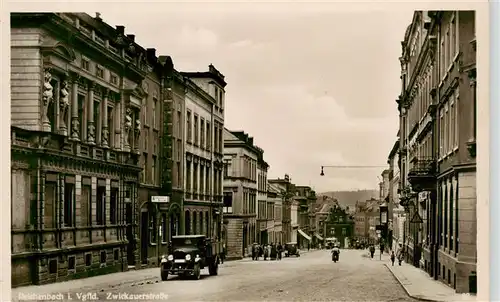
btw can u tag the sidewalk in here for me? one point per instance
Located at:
(131, 278)
(419, 285)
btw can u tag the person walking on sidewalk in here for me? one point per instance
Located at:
(372, 251)
(393, 258)
(400, 255)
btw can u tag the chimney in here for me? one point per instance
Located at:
(151, 53)
(120, 29)
(131, 37)
(98, 16)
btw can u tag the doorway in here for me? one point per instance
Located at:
(130, 234)
(144, 237)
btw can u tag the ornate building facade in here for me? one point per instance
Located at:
(437, 146)
(76, 123)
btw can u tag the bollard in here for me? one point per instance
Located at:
(473, 283)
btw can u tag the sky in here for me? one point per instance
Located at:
(314, 86)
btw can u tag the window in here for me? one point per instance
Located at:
(188, 126)
(50, 209)
(100, 203)
(153, 171)
(113, 204)
(221, 146)
(179, 175)
(113, 79)
(202, 182)
(97, 121)
(164, 237)
(85, 64)
(201, 223)
(207, 178)
(152, 228)
(85, 205)
(144, 168)
(202, 133)
(116, 254)
(441, 133)
(179, 125)
(216, 139)
(226, 167)
(196, 132)
(207, 224)
(103, 257)
(88, 259)
(69, 202)
(443, 58)
(228, 202)
(154, 113)
(209, 137)
(146, 139)
(447, 129)
(99, 72)
(111, 130)
(188, 176)
(82, 115)
(195, 178)
(71, 262)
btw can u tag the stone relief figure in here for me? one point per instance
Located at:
(137, 133)
(91, 133)
(47, 97)
(64, 103)
(128, 126)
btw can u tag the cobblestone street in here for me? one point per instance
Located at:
(312, 277)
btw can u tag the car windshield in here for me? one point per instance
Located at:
(183, 242)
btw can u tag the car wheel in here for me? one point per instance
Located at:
(197, 272)
(164, 275)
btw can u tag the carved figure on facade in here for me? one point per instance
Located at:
(137, 132)
(128, 126)
(64, 105)
(47, 98)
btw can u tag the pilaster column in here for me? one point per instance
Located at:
(90, 115)
(75, 124)
(105, 130)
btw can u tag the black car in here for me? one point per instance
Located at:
(189, 254)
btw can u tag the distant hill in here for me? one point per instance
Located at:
(349, 198)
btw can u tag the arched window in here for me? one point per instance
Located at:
(187, 223)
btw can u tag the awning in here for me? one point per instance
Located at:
(304, 234)
(318, 236)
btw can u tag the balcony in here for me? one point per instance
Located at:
(422, 176)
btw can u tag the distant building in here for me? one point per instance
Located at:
(274, 198)
(287, 192)
(240, 192)
(339, 224)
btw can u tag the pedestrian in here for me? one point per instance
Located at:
(400, 255)
(280, 250)
(372, 251)
(393, 258)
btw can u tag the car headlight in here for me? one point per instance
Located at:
(170, 257)
(188, 257)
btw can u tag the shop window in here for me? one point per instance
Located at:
(164, 237)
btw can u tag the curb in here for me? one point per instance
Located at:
(406, 290)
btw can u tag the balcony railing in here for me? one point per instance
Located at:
(422, 175)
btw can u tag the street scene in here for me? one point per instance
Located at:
(225, 162)
(311, 277)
